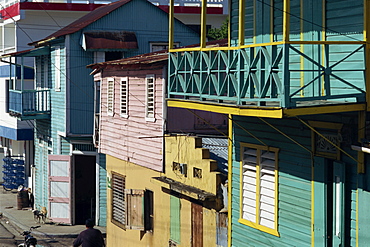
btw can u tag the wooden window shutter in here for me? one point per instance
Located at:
(175, 223)
(267, 189)
(124, 97)
(135, 209)
(259, 166)
(149, 111)
(249, 184)
(110, 96)
(118, 200)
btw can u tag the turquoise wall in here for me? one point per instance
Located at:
(294, 181)
(42, 144)
(102, 191)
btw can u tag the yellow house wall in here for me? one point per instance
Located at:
(182, 149)
(138, 177)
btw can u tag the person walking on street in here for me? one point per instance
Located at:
(90, 237)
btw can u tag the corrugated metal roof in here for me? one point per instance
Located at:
(109, 40)
(83, 21)
(28, 53)
(148, 58)
(152, 57)
(218, 148)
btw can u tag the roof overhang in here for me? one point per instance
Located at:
(269, 112)
(187, 190)
(109, 41)
(29, 53)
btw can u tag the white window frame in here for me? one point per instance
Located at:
(57, 69)
(110, 96)
(259, 171)
(150, 98)
(124, 97)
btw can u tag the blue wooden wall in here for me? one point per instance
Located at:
(127, 18)
(42, 133)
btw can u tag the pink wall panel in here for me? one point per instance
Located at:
(133, 138)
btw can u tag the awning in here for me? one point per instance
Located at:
(109, 41)
(44, 50)
(186, 189)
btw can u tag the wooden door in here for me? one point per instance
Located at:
(60, 192)
(196, 225)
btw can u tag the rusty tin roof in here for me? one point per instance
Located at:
(82, 22)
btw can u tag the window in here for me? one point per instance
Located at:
(113, 55)
(57, 68)
(161, 46)
(259, 187)
(149, 101)
(131, 208)
(110, 96)
(124, 97)
(197, 172)
(118, 200)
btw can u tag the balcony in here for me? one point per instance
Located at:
(29, 104)
(284, 75)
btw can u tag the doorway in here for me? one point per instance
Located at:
(84, 188)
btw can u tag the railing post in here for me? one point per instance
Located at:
(285, 99)
(367, 50)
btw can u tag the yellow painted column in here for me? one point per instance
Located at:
(286, 20)
(171, 24)
(229, 182)
(203, 24)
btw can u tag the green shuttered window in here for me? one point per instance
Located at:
(259, 187)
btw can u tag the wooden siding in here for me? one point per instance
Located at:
(80, 82)
(102, 207)
(81, 89)
(41, 161)
(58, 98)
(294, 185)
(133, 139)
(155, 30)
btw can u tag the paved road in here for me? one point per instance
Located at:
(6, 238)
(10, 237)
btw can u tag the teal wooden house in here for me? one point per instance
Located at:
(69, 173)
(293, 82)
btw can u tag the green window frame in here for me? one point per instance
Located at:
(259, 187)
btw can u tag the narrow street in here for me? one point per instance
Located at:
(6, 238)
(10, 237)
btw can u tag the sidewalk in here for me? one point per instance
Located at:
(22, 220)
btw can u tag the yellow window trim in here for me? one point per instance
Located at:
(259, 227)
(247, 222)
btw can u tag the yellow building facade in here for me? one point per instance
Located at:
(183, 207)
